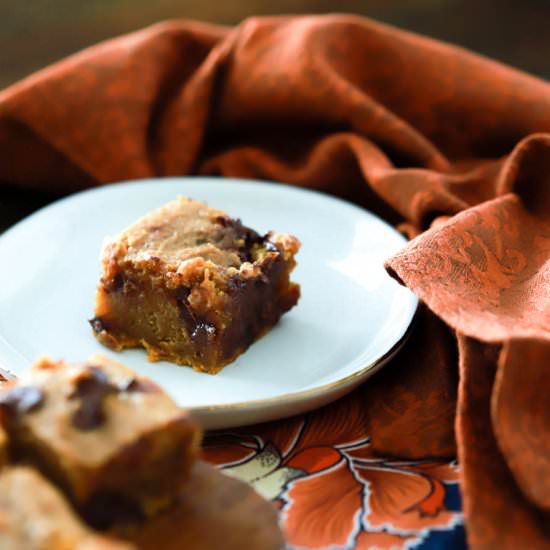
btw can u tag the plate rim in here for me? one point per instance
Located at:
(312, 393)
(293, 188)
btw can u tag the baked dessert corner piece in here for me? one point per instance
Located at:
(113, 441)
(35, 516)
(193, 286)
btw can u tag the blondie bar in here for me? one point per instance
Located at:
(193, 286)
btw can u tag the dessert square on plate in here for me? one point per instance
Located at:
(351, 316)
(193, 286)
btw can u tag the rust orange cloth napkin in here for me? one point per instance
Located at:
(447, 145)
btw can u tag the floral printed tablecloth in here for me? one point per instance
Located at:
(333, 491)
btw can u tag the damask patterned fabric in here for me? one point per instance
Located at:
(446, 145)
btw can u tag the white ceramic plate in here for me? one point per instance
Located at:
(352, 316)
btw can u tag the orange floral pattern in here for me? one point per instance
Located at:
(333, 491)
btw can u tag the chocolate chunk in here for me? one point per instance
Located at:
(245, 255)
(242, 239)
(236, 284)
(250, 236)
(186, 314)
(224, 221)
(98, 324)
(182, 293)
(21, 399)
(121, 284)
(141, 385)
(199, 329)
(91, 388)
(240, 231)
(118, 283)
(235, 231)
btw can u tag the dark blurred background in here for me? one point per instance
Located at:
(34, 33)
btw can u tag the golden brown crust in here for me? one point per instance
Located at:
(180, 241)
(174, 241)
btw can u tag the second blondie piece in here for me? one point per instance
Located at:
(105, 435)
